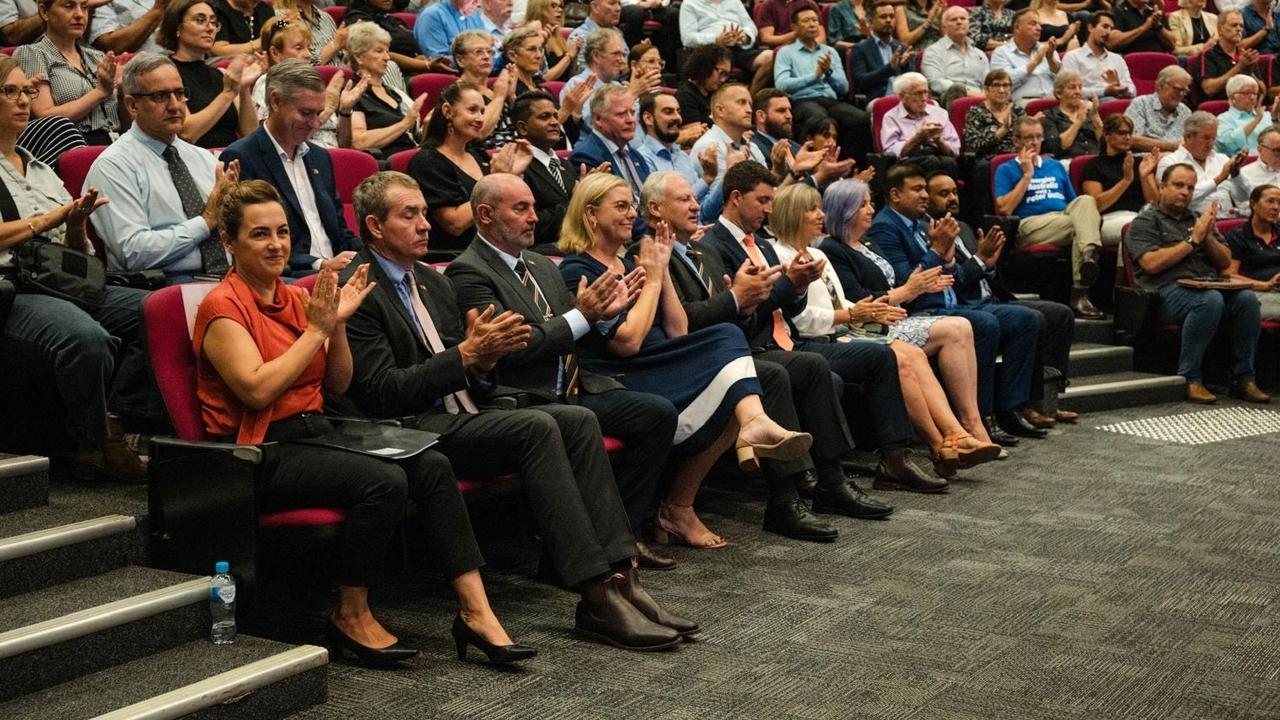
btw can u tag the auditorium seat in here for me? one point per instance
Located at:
(328, 71)
(879, 107)
(959, 111)
(1040, 105)
(74, 166)
(350, 168)
(431, 85)
(1040, 268)
(407, 18)
(554, 87)
(1115, 106)
(1145, 66)
(337, 12)
(1215, 107)
(1076, 171)
(400, 161)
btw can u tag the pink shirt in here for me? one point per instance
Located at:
(898, 127)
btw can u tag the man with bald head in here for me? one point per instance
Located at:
(498, 270)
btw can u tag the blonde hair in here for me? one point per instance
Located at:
(789, 207)
(576, 236)
(537, 10)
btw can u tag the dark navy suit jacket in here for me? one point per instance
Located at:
(871, 74)
(759, 327)
(897, 243)
(591, 151)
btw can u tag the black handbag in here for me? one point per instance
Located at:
(49, 268)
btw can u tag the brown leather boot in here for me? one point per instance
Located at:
(1199, 394)
(1249, 391)
(604, 614)
(1082, 306)
(650, 608)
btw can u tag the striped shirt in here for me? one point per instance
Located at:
(66, 83)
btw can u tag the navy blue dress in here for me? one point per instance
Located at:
(704, 373)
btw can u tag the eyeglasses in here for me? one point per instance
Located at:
(1181, 90)
(997, 85)
(659, 62)
(11, 92)
(1122, 133)
(479, 51)
(162, 96)
(1260, 146)
(209, 20)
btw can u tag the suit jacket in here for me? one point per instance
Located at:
(896, 243)
(591, 151)
(549, 199)
(259, 161)
(859, 276)
(871, 74)
(970, 271)
(482, 278)
(702, 305)
(758, 327)
(395, 373)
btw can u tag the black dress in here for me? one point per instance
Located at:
(378, 114)
(235, 27)
(205, 83)
(694, 106)
(446, 185)
(1056, 122)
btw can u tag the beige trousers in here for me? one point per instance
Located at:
(1079, 227)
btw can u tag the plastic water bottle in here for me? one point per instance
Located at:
(222, 605)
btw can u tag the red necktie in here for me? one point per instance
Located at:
(781, 334)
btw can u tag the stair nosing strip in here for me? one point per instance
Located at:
(224, 687)
(63, 535)
(23, 464)
(101, 617)
(1135, 384)
(1104, 350)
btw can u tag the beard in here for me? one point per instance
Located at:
(666, 135)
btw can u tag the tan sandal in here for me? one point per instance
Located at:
(664, 534)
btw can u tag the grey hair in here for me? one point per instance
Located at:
(1024, 120)
(907, 80)
(1171, 73)
(1222, 16)
(601, 95)
(1197, 120)
(1064, 77)
(364, 35)
(488, 191)
(517, 36)
(467, 36)
(598, 40)
(1239, 81)
(841, 203)
(286, 79)
(655, 188)
(1269, 130)
(141, 64)
(371, 196)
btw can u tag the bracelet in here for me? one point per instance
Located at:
(32, 228)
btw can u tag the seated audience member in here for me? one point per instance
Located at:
(280, 153)
(496, 18)
(1215, 172)
(657, 143)
(953, 66)
(707, 374)
(601, 14)
(847, 24)
(288, 41)
(988, 127)
(1254, 253)
(918, 23)
(706, 68)
(1158, 118)
(735, 238)
(610, 139)
(440, 22)
(1241, 123)
(1073, 126)
(1228, 58)
(561, 54)
(549, 178)
(522, 49)
(919, 130)
(20, 22)
(412, 355)
(163, 190)
(775, 21)
(473, 53)
(797, 223)
(606, 63)
(1192, 27)
(1265, 171)
(1140, 27)
(1105, 72)
(1119, 183)
(403, 46)
(991, 25)
(252, 334)
(727, 25)
(911, 241)
(80, 346)
(774, 121)
(1259, 20)
(238, 27)
(732, 117)
(1037, 189)
(385, 118)
(879, 58)
(1031, 63)
(1169, 241)
(126, 27)
(977, 286)
(667, 40)
(79, 81)
(644, 67)
(219, 102)
(813, 75)
(1055, 23)
(496, 271)
(326, 39)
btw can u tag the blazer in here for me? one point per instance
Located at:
(702, 305)
(395, 373)
(260, 161)
(591, 151)
(549, 200)
(1180, 26)
(895, 242)
(481, 278)
(859, 276)
(970, 271)
(871, 74)
(758, 327)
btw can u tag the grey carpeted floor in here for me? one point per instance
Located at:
(1094, 575)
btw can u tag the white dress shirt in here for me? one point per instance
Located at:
(296, 170)
(1090, 67)
(720, 139)
(1206, 190)
(946, 64)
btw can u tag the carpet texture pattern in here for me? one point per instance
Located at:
(1093, 575)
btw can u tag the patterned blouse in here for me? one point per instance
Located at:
(66, 83)
(980, 127)
(985, 26)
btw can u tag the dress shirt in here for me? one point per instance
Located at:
(143, 227)
(682, 252)
(1206, 190)
(296, 170)
(919, 230)
(946, 63)
(582, 31)
(626, 167)
(1253, 175)
(38, 192)
(1231, 135)
(545, 158)
(818, 319)
(577, 321)
(702, 21)
(439, 23)
(1156, 229)
(1090, 67)
(717, 136)
(1026, 85)
(795, 72)
(1253, 22)
(898, 127)
(670, 157)
(67, 83)
(1150, 120)
(326, 136)
(580, 78)
(117, 14)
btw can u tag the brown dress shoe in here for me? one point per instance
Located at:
(1037, 418)
(114, 460)
(1249, 391)
(1082, 306)
(1066, 416)
(650, 560)
(604, 614)
(1199, 394)
(650, 608)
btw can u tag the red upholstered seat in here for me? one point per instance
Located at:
(1042, 249)
(9, 50)
(1226, 226)
(431, 85)
(328, 71)
(1040, 105)
(959, 111)
(400, 161)
(74, 165)
(1215, 107)
(337, 12)
(306, 517)
(1113, 107)
(879, 107)
(554, 87)
(350, 168)
(1271, 324)
(407, 18)
(1145, 66)
(613, 445)
(1076, 171)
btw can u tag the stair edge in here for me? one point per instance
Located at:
(64, 535)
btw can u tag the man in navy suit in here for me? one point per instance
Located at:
(878, 59)
(279, 153)
(614, 119)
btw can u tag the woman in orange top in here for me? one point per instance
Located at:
(266, 353)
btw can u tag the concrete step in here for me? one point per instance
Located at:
(252, 678)
(46, 546)
(1095, 393)
(24, 482)
(1101, 332)
(1095, 359)
(52, 635)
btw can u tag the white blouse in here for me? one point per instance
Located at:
(818, 317)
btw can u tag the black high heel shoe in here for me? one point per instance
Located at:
(463, 635)
(372, 657)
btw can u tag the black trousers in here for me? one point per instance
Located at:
(568, 484)
(374, 493)
(646, 423)
(853, 123)
(1057, 332)
(813, 398)
(876, 367)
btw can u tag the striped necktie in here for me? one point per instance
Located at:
(568, 362)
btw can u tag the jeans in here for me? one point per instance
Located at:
(1199, 312)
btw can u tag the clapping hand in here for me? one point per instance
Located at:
(322, 302)
(338, 262)
(354, 292)
(574, 99)
(490, 338)
(942, 234)
(1150, 162)
(351, 94)
(1200, 231)
(81, 208)
(922, 281)
(990, 245)
(595, 301)
(804, 270)
(823, 65)
(514, 158)
(752, 284)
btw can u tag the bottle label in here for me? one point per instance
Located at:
(227, 593)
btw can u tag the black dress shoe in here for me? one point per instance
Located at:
(1013, 423)
(650, 560)
(794, 520)
(339, 641)
(463, 636)
(605, 615)
(897, 472)
(998, 436)
(650, 608)
(806, 485)
(849, 500)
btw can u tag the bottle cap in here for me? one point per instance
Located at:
(221, 567)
